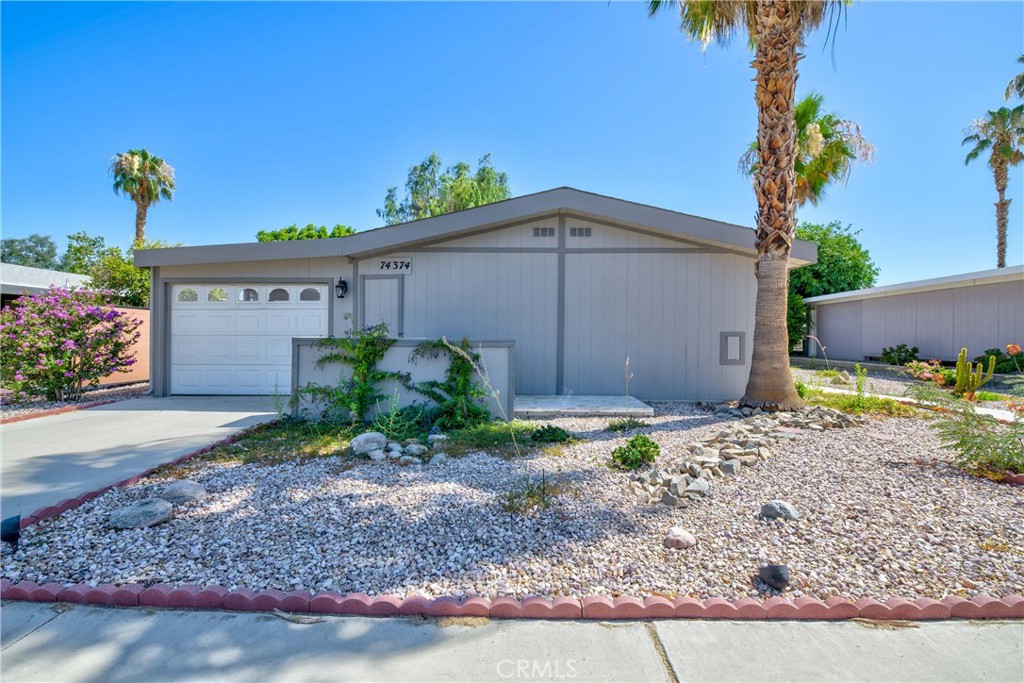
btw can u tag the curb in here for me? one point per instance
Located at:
(534, 607)
(595, 607)
(56, 411)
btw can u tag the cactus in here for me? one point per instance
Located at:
(968, 377)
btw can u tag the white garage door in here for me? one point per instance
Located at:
(237, 339)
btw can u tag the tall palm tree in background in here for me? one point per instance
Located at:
(776, 28)
(827, 146)
(146, 179)
(1001, 134)
(1016, 85)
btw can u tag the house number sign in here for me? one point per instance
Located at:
(391, 265)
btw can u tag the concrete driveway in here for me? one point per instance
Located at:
(48, 459)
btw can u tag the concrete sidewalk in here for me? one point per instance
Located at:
(46, 642)
(48, 459)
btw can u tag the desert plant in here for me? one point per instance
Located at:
(862, 376)
(398, 423)
(625, 424)
(638, 451)
(970, 377)
(980, 441)
(529, 494)
(628, 375)
(550, 434)
(360, 350)
(900, 354)
(461, 401)
(58, 343)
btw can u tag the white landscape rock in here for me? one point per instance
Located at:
(370, 441)
(183, 491)
(679, 538)
(438, 459)
(435, 439)
(415, 450)
(144, 513)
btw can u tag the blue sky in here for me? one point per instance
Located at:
(275, 114)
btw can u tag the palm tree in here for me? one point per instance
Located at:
(146, 179)
(1001, 134)
(776, 29)
(1016, 85)
(826, 148)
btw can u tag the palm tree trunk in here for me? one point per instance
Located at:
(1002, 213)
(770, 384)
(140, 222)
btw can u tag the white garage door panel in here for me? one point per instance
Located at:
(231, 339)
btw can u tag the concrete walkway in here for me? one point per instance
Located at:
(534, 407)
(48, 459)
(43, 642)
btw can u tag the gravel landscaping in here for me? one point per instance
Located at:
(882, 513)
(892, 384)
(118, 393)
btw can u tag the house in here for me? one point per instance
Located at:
(16, 281)
(578, 282)
(980, 310)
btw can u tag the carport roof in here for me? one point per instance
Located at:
(562, 200)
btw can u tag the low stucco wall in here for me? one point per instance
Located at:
(495, 361)
(939, 322)
(139, 372)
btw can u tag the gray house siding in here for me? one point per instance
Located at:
(939, 322)
(577, 305)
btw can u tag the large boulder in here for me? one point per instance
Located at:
(415, 450)
(370, 441)
(141, 514)
(183, 491)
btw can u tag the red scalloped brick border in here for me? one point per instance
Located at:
(56, 411)
(593, 607)
(533, 607)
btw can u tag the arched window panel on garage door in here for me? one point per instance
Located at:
(279, 295)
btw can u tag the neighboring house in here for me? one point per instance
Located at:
(578, 281)
(18, 280)
(981, 310)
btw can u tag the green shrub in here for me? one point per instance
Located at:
(990, 396)
(980, 441)
(851, 403)
(360, 349)
(398, 424)
(831, 373)
(625, 424)
(496, 437)
(638, 451)
(550, 434)
(461, 401)
(1006, 364)
(801, 389)
(899, 354)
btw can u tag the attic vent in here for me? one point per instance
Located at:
(579, 232)
(543, 232)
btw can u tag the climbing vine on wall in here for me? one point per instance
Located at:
(461, 401)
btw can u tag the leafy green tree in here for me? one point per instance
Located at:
(115, 270)
(82, 254)
(999, 133)
(1016, 86)
(145, 179)
(843, 265)
(35, 251)
(776, 29)
(310, 232)
(827, 145)
(431, 191)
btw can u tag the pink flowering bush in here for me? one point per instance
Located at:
(58, 343)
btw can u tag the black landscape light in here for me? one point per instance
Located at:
(10, 531)
(341, 289)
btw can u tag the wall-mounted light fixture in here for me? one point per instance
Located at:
(341, 288)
